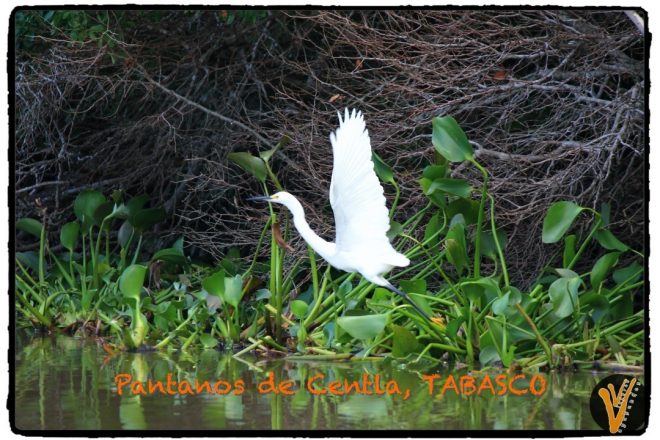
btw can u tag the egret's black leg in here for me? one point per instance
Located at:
(405, 296)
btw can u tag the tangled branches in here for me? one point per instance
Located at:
(553, 100)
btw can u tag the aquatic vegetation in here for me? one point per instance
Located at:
(576, 312)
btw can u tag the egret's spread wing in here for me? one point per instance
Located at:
(356, 196)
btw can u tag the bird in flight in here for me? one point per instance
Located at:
(358, 202)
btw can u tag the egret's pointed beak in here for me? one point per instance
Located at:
(259, 199)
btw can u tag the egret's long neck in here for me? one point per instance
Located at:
(322, 247)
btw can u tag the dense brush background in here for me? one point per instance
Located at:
(153, 101)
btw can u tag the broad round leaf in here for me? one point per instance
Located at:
(146, 218)
(635, 270)
(215, 284)
(450, 140)
(468, 208)
(456, 187)
(31, 226)
(251, 164)
(413, 286)
(86, 205)
(208, 341)
(558, 220)
(383, 171)
(124, 234)
(103, 211)
(433, 172)
(564, 296)
(438, 198)
(170, 255)
(500, 305)
(395, 229)
(488, 247)
(299, 308)
(136, 203)
(131, 281)
(233, 290)
(404, 342)
(69, 235)
(363, 327)
(29, 259)
(602, 267)
(609, 241)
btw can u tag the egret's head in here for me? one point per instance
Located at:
(282, 197)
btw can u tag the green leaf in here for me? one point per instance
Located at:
(438, 198)
(266, 155)
(29, 259)
(413, 286)
(262, 294)
(456, 255)
(146, 218)
(102, 211)
(404, 342)
(450, 140)
(432, 229)
(170, 255)
(488, 247)
(433, 172)
(208, 341)
(602, 267)
(251, 164)
(501, 305)
(383, 171)
(215, 283)
(558, 220)
(69, 235)
(363, 327)
(31, 226)
(85, 205)
(566, 273)
(136, 204)
(124, 234)
(456, 187)
(564, 296)
(621, 275)
(468, 208)
(598, 303)
(605, 213)
(395, 229)
(609, 241)
(132, 280)
(456, 247)
(299, 308)
(569, 249)
(233, 290)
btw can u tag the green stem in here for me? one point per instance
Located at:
(539, 337)
(42, 256)
(480, 219)
(586, 241)
(395, 202)
(318, 299)
(137, 249)
(41, 318)
(496, 239)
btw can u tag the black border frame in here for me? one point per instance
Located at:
(385, 433)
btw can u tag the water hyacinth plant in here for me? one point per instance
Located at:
(458, 276)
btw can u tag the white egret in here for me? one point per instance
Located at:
(358, 203)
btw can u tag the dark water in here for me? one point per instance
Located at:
(67, 383)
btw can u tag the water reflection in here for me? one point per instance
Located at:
(66, 383)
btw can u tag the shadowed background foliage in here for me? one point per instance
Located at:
(154, 101)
